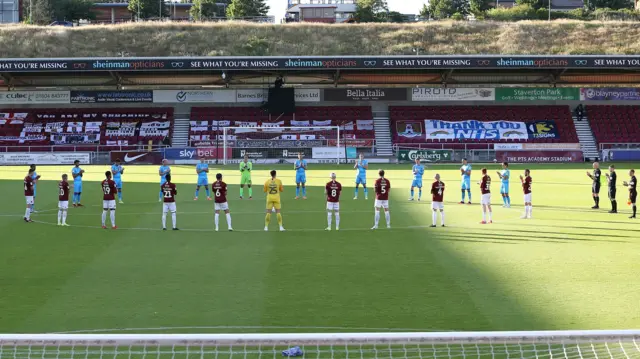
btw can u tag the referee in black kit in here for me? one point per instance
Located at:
(633, 192)
(595, 187)
(611, 184)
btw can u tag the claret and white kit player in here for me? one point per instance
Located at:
(109, 192)
(332, 189)
(526, 188)
(169, 193)
(220, 197)
(418, 172)
(28, 194)
(382, 188)
(437, 204)
(63, 201)
(485, 201)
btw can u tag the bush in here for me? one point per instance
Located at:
(457, 16)
(606, 14)
(516, 13)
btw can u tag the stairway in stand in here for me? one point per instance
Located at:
(384, 145)
(180, 133)
(585, 136)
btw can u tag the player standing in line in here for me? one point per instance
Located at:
(485, 201)
(202, 169)
(35, 177)
(169, 193)
(76, 173)
(611, 186)
(595, 187)
(504, 185)
(301, 176)
(361, 167)
(117, 171)
(63, 201)
(109, 192)
(245, 176)
(332, 189)
(28, 194)
(273, 188)
(382, 188)
(437, 203)
(163, 171)
(526, 188)
(633, 192)
(220, 193)
(465, 172)
(418, 172)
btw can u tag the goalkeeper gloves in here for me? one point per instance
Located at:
(293, 352)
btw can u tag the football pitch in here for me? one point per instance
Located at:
(570, 267)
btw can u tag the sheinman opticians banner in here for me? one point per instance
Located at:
(494, 130)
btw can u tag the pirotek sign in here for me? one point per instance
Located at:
(424, 155)
(453, 94)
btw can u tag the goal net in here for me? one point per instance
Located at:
(271, 143)
(623, 344)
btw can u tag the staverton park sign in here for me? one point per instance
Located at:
(182, 64)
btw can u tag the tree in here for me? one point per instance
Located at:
(247, 8)
(73, 10)
(371, 11)
(535, 4)
(478, 7)
(148, 9)
(424, 12)
(38, 12)
(203, 9)
(611, 4)
(394, 16)
(444, 9)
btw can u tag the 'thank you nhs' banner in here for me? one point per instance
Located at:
(478, 130)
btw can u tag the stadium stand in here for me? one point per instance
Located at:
(57, 129)
(561, 115)
(614, 124)
(207, 122)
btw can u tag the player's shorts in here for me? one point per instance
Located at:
(486, 199)
(466, 184)
(380, 203)
(527, 198)
(77, 187)
(612, 193)
(110, 204)
(301, 178)
(63, 204)
(361, 180)
(168, 207)
(29, 199)
(333, 206)
(203, 181)
(437, 205)
(221, 206)
(416, 183)
(504, 188)
(245, 179)
(633, 195)
(118, 183)
(595, 188)
(273, 204)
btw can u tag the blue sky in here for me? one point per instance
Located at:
(403, 6)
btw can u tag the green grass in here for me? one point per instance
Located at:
(569, 268)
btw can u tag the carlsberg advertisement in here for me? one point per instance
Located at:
(424, 155)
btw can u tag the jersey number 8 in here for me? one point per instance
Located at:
(333, 193)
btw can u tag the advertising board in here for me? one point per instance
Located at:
(539, 156)
(137, 157)
(44, 158)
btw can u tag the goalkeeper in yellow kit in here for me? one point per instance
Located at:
(273, 188)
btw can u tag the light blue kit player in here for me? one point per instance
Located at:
(76, 173)
(465, 172)
(163, 171)
(117, 171)
(418, 172)
(35, 178)
(361, 167)
(504, 184)
(301, 176)
(202, 169)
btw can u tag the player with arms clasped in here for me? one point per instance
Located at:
(485, 201)
(611, 185)
(437, 204)
(35, 177)
(332, 189)
(109, 192)
(301, 176)
(169, 193)
(273, 188)
(595, 187)
(163, 171)
(28, 194)
(245, 176)
(118, 171)
(361, 167)
(465, 185)
(382, 188)
(526, 189)
(220, 196)
(202, 169)
(418, 172)
(504, 184)
(633, 192)
(63, 200)
(76, 173)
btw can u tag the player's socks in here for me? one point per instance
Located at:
(27, 214)
(304, 191)
(329, 218)
(469, 195)
(120, 195)
(104, 218)
(112, 214)
(484, 216)
(434, 217)
(59, 217)
(337, 221)
(411, 197)
(462, 200)
(206, 189)
(509, 201)
(366, 192)
(79, 195)
(297, 191)
(241, 192)
(267, 219)
(250, 192)
(490, 216)
(442, 217)
(64, 217)
(229, 221)
(356, 193)
(197, 193)
(387, 216)
(164, 220)
(217, 220)
(504, 200)
(279, 215)
(174, 216)
(634, 210)
(419, 194)
(376, 219)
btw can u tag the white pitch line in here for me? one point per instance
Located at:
(226, 327)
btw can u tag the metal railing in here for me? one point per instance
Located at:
(619, 146)
(79, 148)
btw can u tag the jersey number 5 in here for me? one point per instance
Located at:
(383, 189)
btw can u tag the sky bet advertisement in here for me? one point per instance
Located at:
(177, 64)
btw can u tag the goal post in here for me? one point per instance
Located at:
(279, 143)
(596, 344)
